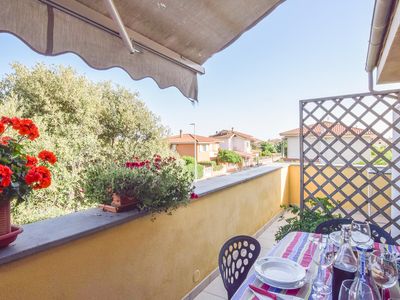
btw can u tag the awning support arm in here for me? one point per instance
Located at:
(121, 28)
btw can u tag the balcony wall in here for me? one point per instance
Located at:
(129, 256)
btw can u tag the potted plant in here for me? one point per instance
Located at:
(20, 172)
(155, 185)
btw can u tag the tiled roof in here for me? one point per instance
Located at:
(224, 134)
(189, 139)
(319, 129)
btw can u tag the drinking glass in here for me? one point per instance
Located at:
(360, 233)
(324, 259)
(384, 269)
(349, 291)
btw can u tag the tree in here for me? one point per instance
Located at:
(267, 148)
(84, 122)
(229, 156)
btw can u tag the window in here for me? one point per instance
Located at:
(204, 148)
(173, 147)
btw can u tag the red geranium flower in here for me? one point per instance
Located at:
(7, 120)
(25, 127)
(38, 177)
(48, 156)
(2, 127)
(31, 161)
(5, 175)
(4, 140)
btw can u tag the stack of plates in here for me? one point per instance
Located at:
(280, 272)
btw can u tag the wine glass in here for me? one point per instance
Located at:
(324, 260)
(384, 269)
(360, 233)
(350, 291)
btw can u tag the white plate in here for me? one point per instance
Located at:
(292, 286)
(280, 270)
(336, 236)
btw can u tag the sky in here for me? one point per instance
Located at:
(303, 49)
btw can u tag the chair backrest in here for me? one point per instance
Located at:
(236, 257)
(331, 225)
(378, 234)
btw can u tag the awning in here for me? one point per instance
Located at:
(173, 37)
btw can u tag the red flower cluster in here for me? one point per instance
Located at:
(5, 176)
(38, 177)
(2, 128)
(31, 161)
(194, 196)
(25, 127)
(137, 164)
(47, 156)
(155, 164)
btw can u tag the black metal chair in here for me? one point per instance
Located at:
(380, 235)
(236, 257)
(377, 233)
(331, 225)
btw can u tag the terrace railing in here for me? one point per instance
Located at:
(350, 154)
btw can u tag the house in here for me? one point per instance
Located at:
(207, 147)
(343, 135)
(238, 142)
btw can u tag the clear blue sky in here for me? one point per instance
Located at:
(304, 49)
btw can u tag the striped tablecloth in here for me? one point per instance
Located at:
(297, 247)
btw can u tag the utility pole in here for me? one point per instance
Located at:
(195, 150)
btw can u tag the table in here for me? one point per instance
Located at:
(297, 247)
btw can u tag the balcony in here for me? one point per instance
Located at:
(97, 255)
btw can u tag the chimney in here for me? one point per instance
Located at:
(180, 133)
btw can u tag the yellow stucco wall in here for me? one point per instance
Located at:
(142, 259)
(380, 182)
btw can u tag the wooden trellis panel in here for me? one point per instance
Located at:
(350, 153)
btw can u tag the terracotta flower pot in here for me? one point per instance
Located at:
(5, 217)
(120, 203)
(8, 232)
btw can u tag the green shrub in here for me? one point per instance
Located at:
(210, 163)
(229, 156)
(307, 220)
(188, 160)
(218, 167)
(200, 170)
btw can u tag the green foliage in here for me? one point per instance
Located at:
(210, 163)
(380, 161)
(229, 156)
(267, 148)
(160, 189)
(307, 220)
(200, 170)
(188, 160)
(282, 145)
(218, 167)
(84, 123)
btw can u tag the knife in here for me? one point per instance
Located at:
(262, 292)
